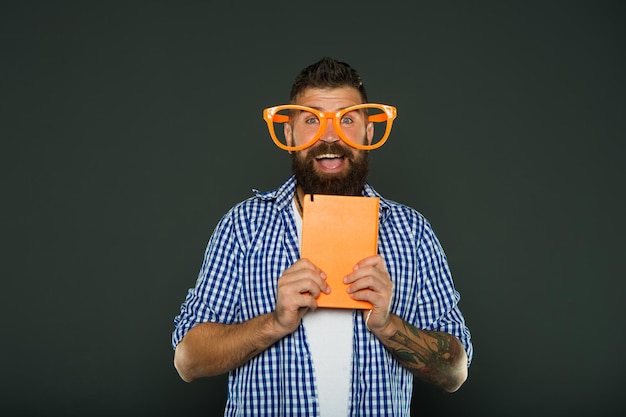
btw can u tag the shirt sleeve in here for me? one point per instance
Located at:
(215, 297)
(438, 298)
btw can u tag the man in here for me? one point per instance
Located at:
(253, 310)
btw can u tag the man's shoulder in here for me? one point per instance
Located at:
(262, 201)
(394, 207)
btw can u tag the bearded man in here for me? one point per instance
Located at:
(253, 311)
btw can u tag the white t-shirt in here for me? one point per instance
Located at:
(330, 333)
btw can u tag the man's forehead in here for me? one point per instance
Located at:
(329, 98)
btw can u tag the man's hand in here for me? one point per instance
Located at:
(298, 287)
(371, 282)
(435, 357)
(197, 355)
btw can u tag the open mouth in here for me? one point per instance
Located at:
(330, 161)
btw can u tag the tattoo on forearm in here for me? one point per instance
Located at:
(422, 352)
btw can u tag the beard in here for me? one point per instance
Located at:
(350, 182)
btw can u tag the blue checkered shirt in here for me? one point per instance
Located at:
(250, 248)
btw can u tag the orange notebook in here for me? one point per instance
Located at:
(338, 232)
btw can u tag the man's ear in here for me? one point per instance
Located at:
(370, 132)
(288, 134)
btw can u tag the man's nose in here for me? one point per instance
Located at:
(330, 134)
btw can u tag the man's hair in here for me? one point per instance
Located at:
(327, 73)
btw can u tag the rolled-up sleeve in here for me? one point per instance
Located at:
(215, 296)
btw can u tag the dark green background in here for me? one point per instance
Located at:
(129, 128)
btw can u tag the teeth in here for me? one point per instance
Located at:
(328, 156)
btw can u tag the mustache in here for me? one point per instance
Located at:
(325, 148)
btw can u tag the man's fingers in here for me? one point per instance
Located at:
(375, 261)
(304, 270)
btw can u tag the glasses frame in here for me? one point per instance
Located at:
(388, 115)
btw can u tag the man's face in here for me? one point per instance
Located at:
(330, 166)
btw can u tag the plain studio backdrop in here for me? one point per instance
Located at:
(129, 128)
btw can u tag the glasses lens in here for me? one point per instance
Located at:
(380, 121)
(302, 126)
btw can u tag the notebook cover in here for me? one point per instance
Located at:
(338, 232)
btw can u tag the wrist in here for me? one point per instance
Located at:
(274, 328)
(386, 331)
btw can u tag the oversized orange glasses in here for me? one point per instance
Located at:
(364, 126)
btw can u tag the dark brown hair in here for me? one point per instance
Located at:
(327, 73)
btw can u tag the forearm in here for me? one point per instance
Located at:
(434, 357)
(210, 349)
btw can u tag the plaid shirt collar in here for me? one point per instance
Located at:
(284, 194)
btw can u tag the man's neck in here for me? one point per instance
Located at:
(299, 197)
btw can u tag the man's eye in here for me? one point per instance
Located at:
(311, 120)
(346, 120)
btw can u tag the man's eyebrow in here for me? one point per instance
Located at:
(329, 111)
(310, 107)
